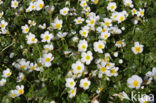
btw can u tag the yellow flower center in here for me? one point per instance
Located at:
(103, 69)
(146, 101)
(32, 39)
(58, 26)
(64, 12)
(92, 22)
(100, 46)
(114, 16)
(135, 83)
(15, 3)
(137, 49)
(103, 30)
(2, 25)
(26, 29)
(40, 5)
(84, 4)
(79, 21)
(8, 74)
(32, 67)
(46, 37)
(134, 11)
(142, 13)
(13, 95)
(96, 1)
(87, 57)
(84, 33)
(121, 18)
(20, 91)
(83, 47)
(107, 23)
(47, 59)
(71, 83)
(23, 66)
(72, 91)
(119, 42)
(128, 4)
(85, 84)
(112, 7)
(33, 6)
(112, 71)
(78, 68)
(100, 89)
(105, 36)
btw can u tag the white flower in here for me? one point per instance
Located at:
(14, 4)
(64, 11)
(140, 13)
(134, 11)
(99, 90)
(20, 77)
(120, 61)
(39, 4)
(57, 24)
(138, 48)
(84, 32)
(99, 46)
(78, 20)
(145, 99)
(72, 92)
(70, 83)
(11, 55)
(78, 67)
(46, 37)
(104, 36)
(13, 93)
(128, 3)
(96, 101)
(120, 43)
(87, 57)
(134, 81)
(3, 24)
(2, 82)
(115, 54)
(85, 83)
(121, 17)
(6, 73)
(52, 101)
(22, 64)
(122, 96)
(20, 89)
(32, 67)
(102, 68)
(75, 39)
(31, 39)
(91, 21)
(61, 35)
(48, 47)
(1, 14)
(113, 71)
(83, 3)
(25, 28)
(111, 6)
(32, 6)
(107, 22)
(95, 1)
(42, 26)
(82, 46)
(32, 23)
(46, 59)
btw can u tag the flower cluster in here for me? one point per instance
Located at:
(79, 47)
